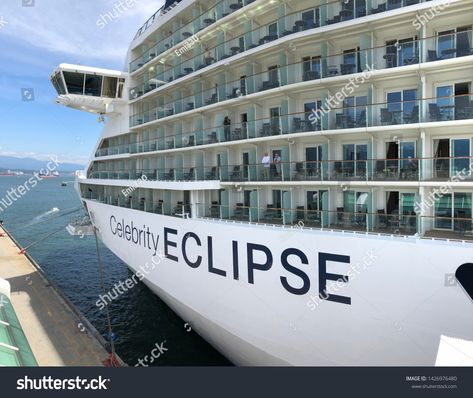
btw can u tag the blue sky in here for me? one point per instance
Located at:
(33, 41)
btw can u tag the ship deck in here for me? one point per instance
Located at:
(56, 333)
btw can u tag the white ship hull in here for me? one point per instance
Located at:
(401, 302)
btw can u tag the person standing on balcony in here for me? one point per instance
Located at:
(277, 164)
(227, 122)
(266, 162)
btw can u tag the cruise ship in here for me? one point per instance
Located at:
(294, 178)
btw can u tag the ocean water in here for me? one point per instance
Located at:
(139, 318)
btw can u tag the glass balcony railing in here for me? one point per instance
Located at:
(405, 169)
(324, 117)
(313, 69)
(331, 170)
(160, 174)
(456, 226)
(157, 207)
(302, 216)
(174, 37)
(114, 150)
(400, 54)
(437, 109)
(432, 110)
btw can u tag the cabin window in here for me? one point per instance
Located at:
(110, 87)
(93, 85)
(74, 82)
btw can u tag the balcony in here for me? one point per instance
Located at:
(348, 116)
(280, 27)
(370, 170)
(222, 9)
(402, 53)
(176, 174)
(458, 226)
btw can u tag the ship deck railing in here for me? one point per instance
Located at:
(292, 23)
(387, 56)
(409, 113)
(409, 224)
(354, 113)
(394, 170)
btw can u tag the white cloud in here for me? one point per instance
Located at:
(70, 26)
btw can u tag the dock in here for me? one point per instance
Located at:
(57, 332)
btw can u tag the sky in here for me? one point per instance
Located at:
(35, 37)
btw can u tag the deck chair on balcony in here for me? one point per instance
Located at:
(462, 103)
(158, 209)
(178, 210)
(212, 174)
(432, 56)
(340, 216)
(170, 175)
(461, 222)
(313, 170)
(393, 4)
(380, 8)
(299, 174)
(191, 141)
(380, 172)
(386, 117)
(213, 137)
(236, 174)
(382, 221)
(337, 170)
(300, 213)
(239, 211)
(412, 221)
(190, 175)
(271, 212)
(215, 210)
(394, 221)
(313, 216)
(412, 117)
(434, 113)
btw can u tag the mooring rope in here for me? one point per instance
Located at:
(113, 360)
(25, 249)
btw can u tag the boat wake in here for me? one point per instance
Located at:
(46, 214)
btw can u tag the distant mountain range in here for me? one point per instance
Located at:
(29, 164)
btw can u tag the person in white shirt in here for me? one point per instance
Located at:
(266, 162)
